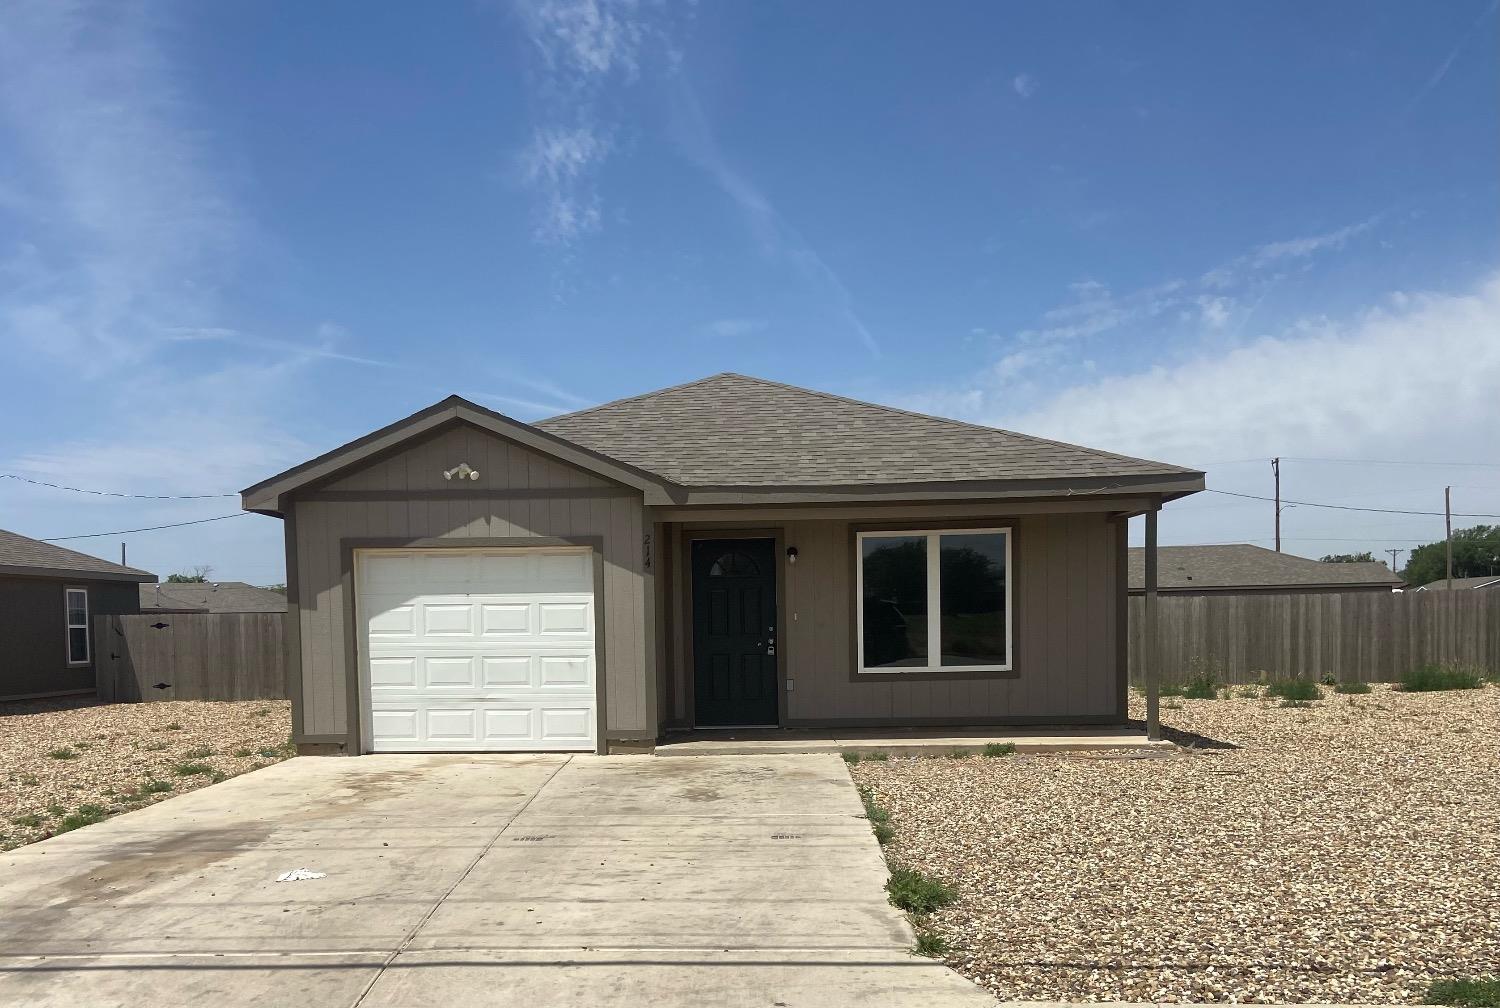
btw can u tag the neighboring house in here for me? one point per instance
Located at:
(48, 598)
(1490, 581)
(210, 597)
(1242, 569)
(728, 552)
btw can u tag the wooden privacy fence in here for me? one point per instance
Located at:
(190, 656)
(1368, 636)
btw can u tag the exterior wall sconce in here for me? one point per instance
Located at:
(791, 554)
(463, 471)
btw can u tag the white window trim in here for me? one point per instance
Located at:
(934, 607)
(69, 627)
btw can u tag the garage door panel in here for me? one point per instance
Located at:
(479, 650)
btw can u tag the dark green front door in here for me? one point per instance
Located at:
(734, 632)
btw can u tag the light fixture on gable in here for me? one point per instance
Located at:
(463, 471)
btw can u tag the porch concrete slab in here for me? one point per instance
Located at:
(901, 741)
(673, 978)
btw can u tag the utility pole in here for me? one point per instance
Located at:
(1276, 471)
(1395, 558)
(1448, 525)
(122, 555)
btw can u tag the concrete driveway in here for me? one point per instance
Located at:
(469, 880)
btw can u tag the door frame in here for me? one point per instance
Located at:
(356, 673)
(778, 556)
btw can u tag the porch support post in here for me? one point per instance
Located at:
(1148, 633)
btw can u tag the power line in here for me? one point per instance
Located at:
(149, 528)
(111, 493)
(1349, 507)
(1339, 461)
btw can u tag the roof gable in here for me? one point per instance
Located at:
(34, 558)
(731, 430)
(1241, 565)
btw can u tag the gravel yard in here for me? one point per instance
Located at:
(1348, 852)
(65, 766)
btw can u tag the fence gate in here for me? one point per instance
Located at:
(190, 656)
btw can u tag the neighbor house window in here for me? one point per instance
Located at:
(76, 603)
(934, 601)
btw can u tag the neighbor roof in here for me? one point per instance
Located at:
(1463, 583)
(34, 558)
(734, 430)
(154, 600)
(1244, 566)
(221, 597)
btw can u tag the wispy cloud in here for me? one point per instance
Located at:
(731, 328)
(324, 348)
(1442, 69)
(1272, 253)
(773, 232)
(586, 51)
(1024, 85)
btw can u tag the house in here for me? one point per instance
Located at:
(48, 598)
(210, 597)
(1242, 569)
(1490, 581)
(728, 552)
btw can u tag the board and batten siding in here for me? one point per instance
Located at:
(1067, 592)
(509, 500)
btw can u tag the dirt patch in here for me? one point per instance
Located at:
(1345, 853)
(64, 763)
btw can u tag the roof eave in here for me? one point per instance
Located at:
(66, 574)
(1167, 486)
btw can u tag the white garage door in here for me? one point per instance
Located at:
(478, 649)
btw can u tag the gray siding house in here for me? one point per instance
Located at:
(48, 599)
(729, 552)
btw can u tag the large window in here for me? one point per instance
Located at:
(934, 601)
(76, 603)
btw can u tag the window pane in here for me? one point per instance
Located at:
(77, 608)
(734, 564)
(895, 602)
(78, 644)
(972, 579)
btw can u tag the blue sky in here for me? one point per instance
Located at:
(234, 235)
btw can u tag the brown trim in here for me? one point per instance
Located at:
(293, 636)
(479, 493)
(735, 514)
(73, 574)
(776, 534)
(355, 719)
(1168, 486)
(1060, 721)
(921, 525)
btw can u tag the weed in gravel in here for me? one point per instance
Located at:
(28, 820)
(156, 746)
(958, 754)
(1249, 692)
(63, 754)
(193, 769)
(997, 749)
(260, 712)
(1433, 677)
(1352, 687)
(269, 753)
(174, 726)
(55, 810)
(877, 757)
(1294, 692)
(198, 752)
(917, 893)
(1169, 689)
(880, 818)
(28, 780)
(153, 786)
(243, 754)
(933, 946)
(1201, 687)
(850, 756)
(1466, 992)
(85, 815)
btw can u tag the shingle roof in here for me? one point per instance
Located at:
(20, 555)
(1464, 583)
(153, 599)
(734, 430)
(224, 596)
(1245, 566)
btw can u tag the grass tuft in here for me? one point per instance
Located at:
(198, 752)
(193, 769)
(1201, 687)
(1352, 687)
(270, 753)
(63, 754)
(996, 749)
(243, 753)
(1467, 992)
(933, 946)
(84, 815)
(850, 756)
(152, 786)
(917, 893)
(1433, 677)
(1294, 692)
(27, 820)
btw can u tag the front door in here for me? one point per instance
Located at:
(734, 632)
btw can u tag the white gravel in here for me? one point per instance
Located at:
(1349, 852)
(112, 750)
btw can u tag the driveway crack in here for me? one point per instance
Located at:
(422, 922)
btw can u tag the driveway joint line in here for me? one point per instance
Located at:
(412, 934)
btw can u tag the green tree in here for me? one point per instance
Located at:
(1476, 552)
(198, 575)
(1348, 558)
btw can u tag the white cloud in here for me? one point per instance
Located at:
(1215, 312)
(732, 328)
(559, 165)
(1269, 254)
(1024, 85)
